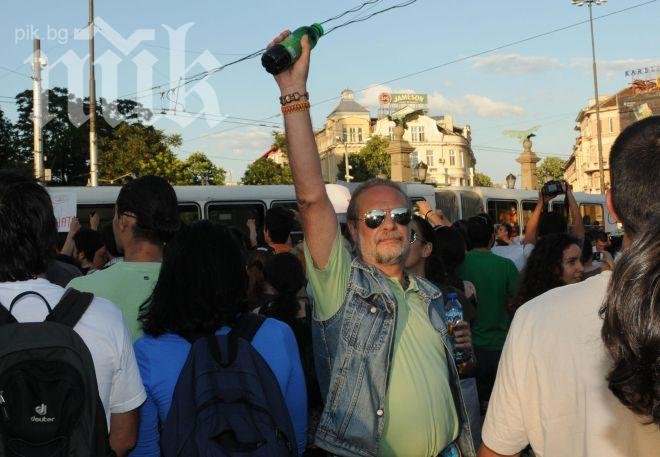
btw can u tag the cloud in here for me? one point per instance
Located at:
(438, 103)
(240, 143)
(486, 107)
(515, 64)
(614, 69)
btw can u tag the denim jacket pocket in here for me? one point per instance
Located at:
(365, 327)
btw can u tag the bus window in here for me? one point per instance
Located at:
(445, 200)
(296, 231)
(237, 214)
(189, 212)
(592, 216)
(105, 212)
(504, 212)
(527, 210)
(471, 204)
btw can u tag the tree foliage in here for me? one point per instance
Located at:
(66, 146)
(139, 150)
(199, 170)
(483, 180)
(279, 141)
(266, 171)
(551, 168)
(371, 161)
(8, 152)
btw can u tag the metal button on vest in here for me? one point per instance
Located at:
(373, 310)
(379, 412)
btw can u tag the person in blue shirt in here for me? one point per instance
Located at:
(201, 290)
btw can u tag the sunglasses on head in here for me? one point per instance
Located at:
(373, 218)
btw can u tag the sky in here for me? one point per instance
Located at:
(497, 65)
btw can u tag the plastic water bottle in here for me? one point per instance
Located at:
(286, 52)
(453, 315)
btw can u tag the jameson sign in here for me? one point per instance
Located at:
(413, 99)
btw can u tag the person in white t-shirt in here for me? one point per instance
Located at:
(552, 389)
(28, 233)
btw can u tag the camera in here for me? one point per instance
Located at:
(554, 188)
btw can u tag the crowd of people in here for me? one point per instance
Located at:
(393, 333)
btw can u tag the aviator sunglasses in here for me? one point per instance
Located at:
(373, 218)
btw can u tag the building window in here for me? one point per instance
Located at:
(611, 123)
(452, 158)
(360, 134)
(417, 133)
(462, 156)
(429, 158)
(391, 130)
(414, 159)
(344, 134)
(353, 137)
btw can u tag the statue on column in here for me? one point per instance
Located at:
(527, 158)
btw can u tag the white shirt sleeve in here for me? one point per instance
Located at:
(127, 392)
(504, 428)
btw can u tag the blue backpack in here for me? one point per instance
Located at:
(227, 401)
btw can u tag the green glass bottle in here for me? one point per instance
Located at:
(285, 53)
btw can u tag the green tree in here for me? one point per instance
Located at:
(66, 146)
(551, 168)
(138, 150)
(370, 161)
(279, 141)
(199, 170)
(483, 180)
(8, 152)
(266, 171)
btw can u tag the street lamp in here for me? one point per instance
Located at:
(510, 181)
(593, 57)
(420, 171)
(347, 174)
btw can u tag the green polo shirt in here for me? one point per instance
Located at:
(420, 417)
(126, 284)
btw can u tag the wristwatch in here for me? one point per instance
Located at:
(294, 97)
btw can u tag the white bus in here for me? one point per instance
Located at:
(464, 202)
(230, 205)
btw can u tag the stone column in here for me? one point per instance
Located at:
(399, 151)
(527, 161)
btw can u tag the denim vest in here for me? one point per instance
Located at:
(353, 351)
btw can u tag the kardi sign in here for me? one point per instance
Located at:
(64, 207)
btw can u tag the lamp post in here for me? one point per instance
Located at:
(420, 171)
(511, 181)
(593, 58)
(347, 174)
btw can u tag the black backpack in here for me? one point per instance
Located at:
(49, 400)
(227, 401)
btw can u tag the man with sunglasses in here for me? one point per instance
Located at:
(384, 358)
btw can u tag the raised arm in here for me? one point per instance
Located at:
(533, 222)
(316, 212)
(577, 228)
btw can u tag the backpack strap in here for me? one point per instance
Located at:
(224, 348)
(247, 326)
(71, 307)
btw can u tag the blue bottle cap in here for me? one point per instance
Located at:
(452, 295)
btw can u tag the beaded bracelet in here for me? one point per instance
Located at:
(293, 107)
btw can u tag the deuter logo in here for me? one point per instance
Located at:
(41, 409)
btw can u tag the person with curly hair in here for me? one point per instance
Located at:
(554, 262)
(577, 381)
